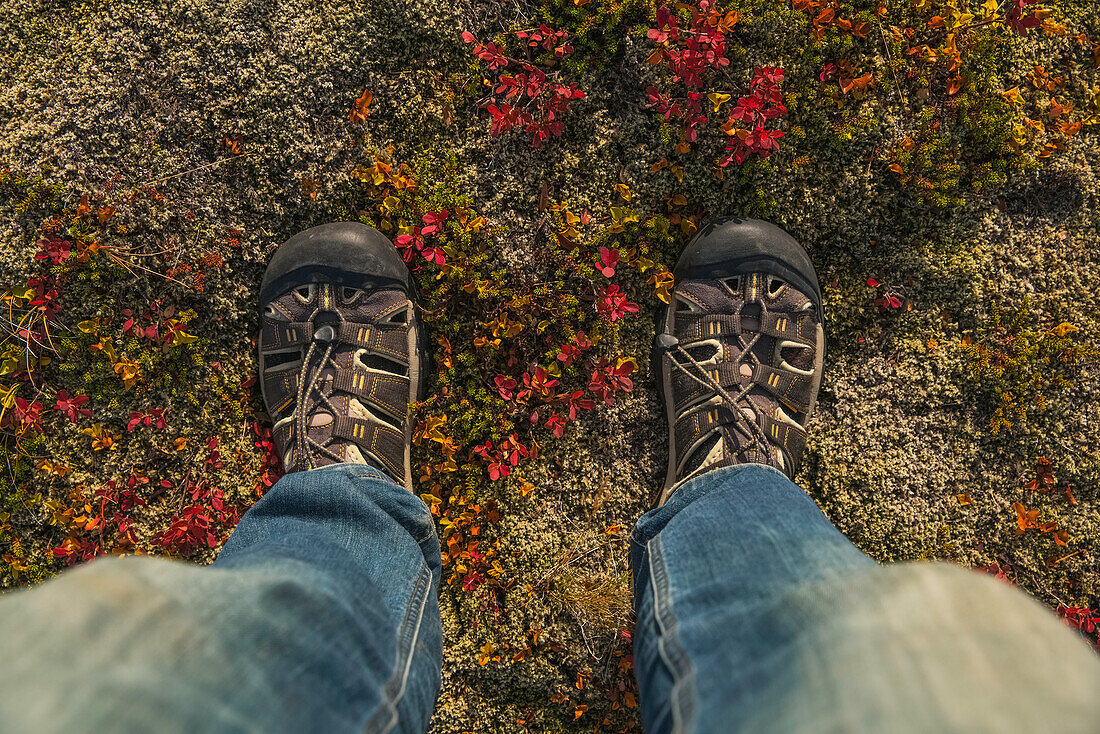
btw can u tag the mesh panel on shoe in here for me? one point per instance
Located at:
(338, 375)
(747, 396)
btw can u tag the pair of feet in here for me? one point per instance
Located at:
(739, 356)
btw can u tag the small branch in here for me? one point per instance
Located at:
(193, 170)
(890, 55)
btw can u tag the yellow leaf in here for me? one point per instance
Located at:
(91, 326)
(101, 438)
(718, 99)
(957, 19)
(7, 396)
(623, 215)
(48, 467)
(661, 283)
(1013, 96)
(127, 371)
(623, 190)
(1052, 28)
(472, 225)
(1063, 328)
(182, 337)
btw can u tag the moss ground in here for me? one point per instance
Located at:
(939, 167)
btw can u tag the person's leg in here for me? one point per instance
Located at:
(319, 615)
(754, 614)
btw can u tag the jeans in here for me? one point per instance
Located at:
(753, 614)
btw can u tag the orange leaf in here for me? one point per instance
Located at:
(1057, 109)
(895, 167)
(727, 23)
(964, 499)
(1069, 129)
(577, 712)
(361, 108)
(954, 85)
(1025, 518)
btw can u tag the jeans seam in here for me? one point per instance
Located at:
(386, 718)
(668, 644)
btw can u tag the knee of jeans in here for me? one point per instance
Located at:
(119, 579)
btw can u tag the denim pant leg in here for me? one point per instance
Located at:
(755, 614)
(320, 615)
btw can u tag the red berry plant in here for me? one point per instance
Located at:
(691, 44)
(749, 123)
(522, 354)
(528, 93)
(95, 356)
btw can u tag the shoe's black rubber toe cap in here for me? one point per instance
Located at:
(731, 246)
(345, 253)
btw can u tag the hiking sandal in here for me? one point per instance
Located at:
(341, 350)
(740, 351)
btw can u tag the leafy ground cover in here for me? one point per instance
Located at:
(539, 165)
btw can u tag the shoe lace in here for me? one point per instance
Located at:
(310, 396)
(737, 402)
